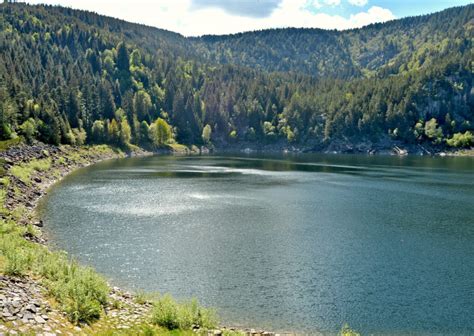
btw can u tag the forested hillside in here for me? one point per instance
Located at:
(383, 49)
(69, 76)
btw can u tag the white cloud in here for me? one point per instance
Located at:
(332, 2)
(178, 16)
(320, 3)
(358, 2)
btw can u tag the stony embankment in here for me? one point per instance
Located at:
(26, 306)
(25, 191)
(384, 146)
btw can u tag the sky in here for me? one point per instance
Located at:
(199, 17)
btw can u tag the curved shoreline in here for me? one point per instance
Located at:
(26, 195)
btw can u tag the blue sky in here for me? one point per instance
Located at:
(400, 8)
(198, 17)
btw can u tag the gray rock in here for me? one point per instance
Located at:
(32, 308)
(28, 316)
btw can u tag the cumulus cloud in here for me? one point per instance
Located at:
(184, 17)
(258, 9)
(320, 3)
(358, 2)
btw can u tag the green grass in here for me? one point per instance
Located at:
(145, 330)
(2, 170)
(17, 255)
(172, 315)
(347, 331)
(3, 197)
(4, 145)
(81, 293)
(141, 298)
(24, 171)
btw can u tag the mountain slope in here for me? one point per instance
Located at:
(379, 48)
(69, 76)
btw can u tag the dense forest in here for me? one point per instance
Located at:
(70, 76)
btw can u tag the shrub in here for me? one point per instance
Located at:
(17, 257)
(461, 140)
(173, 315)
(81, 292)
(347, 331)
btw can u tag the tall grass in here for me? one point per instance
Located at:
(17, 256)
(347, 331)
(171, 314)
(81, 293)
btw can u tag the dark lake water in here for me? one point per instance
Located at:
(305, 243)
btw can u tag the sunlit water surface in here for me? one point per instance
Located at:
(305, 243)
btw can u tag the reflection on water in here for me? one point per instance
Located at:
(304, 242)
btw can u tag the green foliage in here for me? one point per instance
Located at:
(80, 136)
(4, 183)
(370, 83)
(28, 129)
(160, 133)
(432, 131)
(18, 258)
(142, 104)
(24, 171)
(465, 139)
(347, 331)
(98, 131)
(233, 136)
(5, 144)
(173, 315)
(206, 134)
(125, 132)
(81, 292)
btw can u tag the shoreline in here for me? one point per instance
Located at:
(31, 195)
(396, 150)
(37, 312)
(27, 195)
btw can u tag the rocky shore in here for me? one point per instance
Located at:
(63, 160)
(367, 147)
(25, 306)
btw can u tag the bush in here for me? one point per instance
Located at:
(347, 331)
(81, 292)
(17, 257)
(461, 140)
(173, 315)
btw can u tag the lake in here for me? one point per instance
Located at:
(286, 242)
